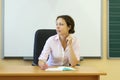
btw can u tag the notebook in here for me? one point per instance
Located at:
(60, 68)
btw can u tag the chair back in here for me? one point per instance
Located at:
(40, 38)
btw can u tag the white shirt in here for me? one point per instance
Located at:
(57, 55)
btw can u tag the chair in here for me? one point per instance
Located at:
(41, 36)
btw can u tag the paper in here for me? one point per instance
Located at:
(61, 68)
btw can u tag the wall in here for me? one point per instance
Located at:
(111, 66)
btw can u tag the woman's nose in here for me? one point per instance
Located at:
(57, 26)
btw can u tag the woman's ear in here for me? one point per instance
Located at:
(69, 27)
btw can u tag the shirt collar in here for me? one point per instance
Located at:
(56, 37)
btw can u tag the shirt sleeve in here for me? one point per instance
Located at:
(46, 51)
(76, 47)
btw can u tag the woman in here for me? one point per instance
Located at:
(62, 48)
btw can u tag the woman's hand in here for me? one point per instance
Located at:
(42, 65)
(69, 40)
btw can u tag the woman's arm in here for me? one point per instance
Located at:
(44, 55)
(42, 64)
(72, 56)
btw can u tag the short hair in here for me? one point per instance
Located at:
(69, 21)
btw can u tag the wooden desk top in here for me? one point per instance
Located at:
(36, 71)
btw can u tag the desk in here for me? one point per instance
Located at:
(35, 73)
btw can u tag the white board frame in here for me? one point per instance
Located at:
(88, 24)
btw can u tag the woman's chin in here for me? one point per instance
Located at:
(58, 33)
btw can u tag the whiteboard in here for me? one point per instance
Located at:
(23, 17)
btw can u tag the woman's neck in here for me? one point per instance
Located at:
(63, 41)
(63, 37)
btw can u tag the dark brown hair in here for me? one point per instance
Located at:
(69, 21)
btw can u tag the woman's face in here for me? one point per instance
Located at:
(61, 27)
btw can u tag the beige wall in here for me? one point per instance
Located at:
(110, 66)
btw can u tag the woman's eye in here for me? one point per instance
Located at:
(60, 24)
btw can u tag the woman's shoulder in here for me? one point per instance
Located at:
(53, 37)
(74, 37)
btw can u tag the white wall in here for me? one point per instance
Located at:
(23, 17)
